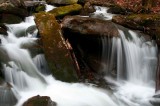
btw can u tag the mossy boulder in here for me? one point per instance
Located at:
(54, 46)
(62, 2)
(147, 23)
(39, 101)
(65, 10)
(40, 8)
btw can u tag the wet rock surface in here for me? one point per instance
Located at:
(12, 11)
(85, 35)
(147, 23)
(87, 9)
(89, 26)
(66, 10)
(55, 48)
(40, 101)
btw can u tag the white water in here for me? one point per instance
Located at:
(135, 60)
(49, 7)
(134, 89)
(21, 72)
(101, 13)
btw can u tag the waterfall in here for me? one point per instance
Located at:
(29, 76)
(140, 57)
(134, 60)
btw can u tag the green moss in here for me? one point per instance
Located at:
(64, 10)
(40, 8)
(56, 53)
(148, 23)
(144, 16)
(143, 19)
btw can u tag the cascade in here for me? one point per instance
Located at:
(26, 74)
(130, 54)
(134, 60)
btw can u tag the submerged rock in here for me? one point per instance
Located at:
(7, 97)
(62, 2)
(55, 48)
(65, 10)
(40, 101)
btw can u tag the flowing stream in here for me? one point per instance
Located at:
(29, 76)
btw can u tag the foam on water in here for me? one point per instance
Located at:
(101, 12)
(133, 55)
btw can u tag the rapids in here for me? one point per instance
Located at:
(30, 76)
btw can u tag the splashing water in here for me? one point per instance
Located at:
(135, 60)
(129, 54)
(101, 12)
(21, 71)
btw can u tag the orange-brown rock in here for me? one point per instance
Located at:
(55, 48)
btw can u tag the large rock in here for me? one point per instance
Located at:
(12, 10)
(16, 7)
(17, 3)
(148, 23)
(55, 49)
(39, 101)
(10, 18)
(85, 35)
(62, 2)
(89, 26)
(65, 10)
